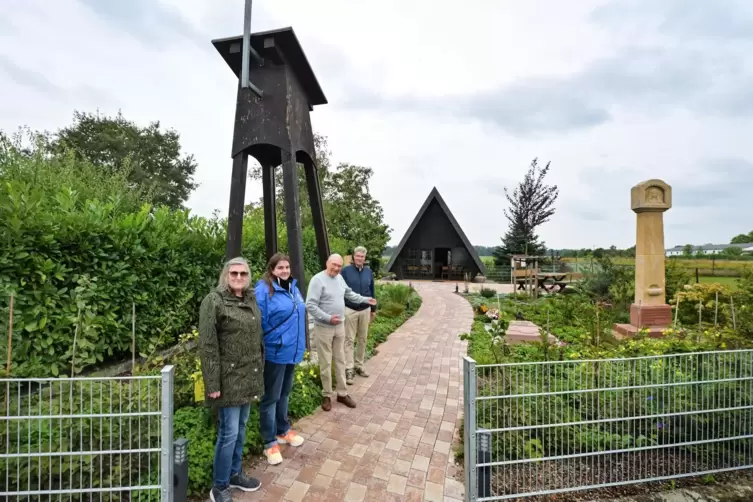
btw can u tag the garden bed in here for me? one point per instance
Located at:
(559, 429)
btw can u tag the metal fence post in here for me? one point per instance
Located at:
(166, 446)
(181, 470)
(469, 427)
(484, 456)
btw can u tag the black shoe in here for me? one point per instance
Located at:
(245, 483)
(220, 495)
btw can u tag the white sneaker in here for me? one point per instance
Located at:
(273, 455)
(292, 438)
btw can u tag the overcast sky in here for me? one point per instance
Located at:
(458, 95)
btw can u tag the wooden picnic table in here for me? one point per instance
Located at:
(549, 281)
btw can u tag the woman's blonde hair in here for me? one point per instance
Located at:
(223, 284)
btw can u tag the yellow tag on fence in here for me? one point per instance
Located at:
(198, 387)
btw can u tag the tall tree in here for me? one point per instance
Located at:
(742, 238)
(351, 212)
(152, 155)
(531, 205)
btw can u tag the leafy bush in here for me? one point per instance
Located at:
(395, 293)
(79, 250)
(387, 319)
(392, 309)
(488, 292)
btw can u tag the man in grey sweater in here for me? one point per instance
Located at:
(325, 302)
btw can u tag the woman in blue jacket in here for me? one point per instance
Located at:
(283, 322)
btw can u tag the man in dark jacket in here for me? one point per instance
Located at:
(360, 279)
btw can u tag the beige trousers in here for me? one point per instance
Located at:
(329, 342)
(356, 330)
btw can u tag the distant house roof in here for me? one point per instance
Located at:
(434, 195)
(714, 247)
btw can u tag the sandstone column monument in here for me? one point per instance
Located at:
(649, 200)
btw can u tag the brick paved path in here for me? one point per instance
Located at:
(397, 444)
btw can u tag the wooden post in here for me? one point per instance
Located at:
(732, 308)
(716, 310)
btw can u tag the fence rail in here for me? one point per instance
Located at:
(562, 426)
(84, 439)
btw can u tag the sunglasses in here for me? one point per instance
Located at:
(235, 273)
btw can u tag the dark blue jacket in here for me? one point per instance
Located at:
(361, 282)
(283, 322)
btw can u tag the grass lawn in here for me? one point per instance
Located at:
(730, 282)
(705, 263)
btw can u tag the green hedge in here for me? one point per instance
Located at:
(75, 263)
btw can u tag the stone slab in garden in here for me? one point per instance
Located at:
(525, 331)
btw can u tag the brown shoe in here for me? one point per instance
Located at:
(347, 401)
(327, 404)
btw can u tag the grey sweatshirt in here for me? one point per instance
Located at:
(326, 297)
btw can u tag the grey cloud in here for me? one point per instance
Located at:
(717, 19)
(39, 82)
(707, 77)
(720, 185)
(6, 27)
(149, 21)
(653, 80)
(30, 78)
(714, 186)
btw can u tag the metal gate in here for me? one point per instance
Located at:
(86, 439)
(542, 428)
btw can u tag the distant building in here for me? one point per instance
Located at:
(709, 249)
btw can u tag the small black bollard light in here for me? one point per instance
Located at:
(484, 455)
(180, 470)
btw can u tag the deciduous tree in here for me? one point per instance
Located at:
(152, 155)
(531, 205)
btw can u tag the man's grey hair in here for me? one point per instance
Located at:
(359, 249)
(223, 283)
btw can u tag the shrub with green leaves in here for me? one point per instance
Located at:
(79, 252)
(488, 292)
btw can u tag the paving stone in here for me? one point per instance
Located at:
(397, 444)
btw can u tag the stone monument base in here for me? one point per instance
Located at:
(654, 318)
(629, 331)
(650, 315)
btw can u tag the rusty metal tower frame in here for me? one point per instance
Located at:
(273, 125)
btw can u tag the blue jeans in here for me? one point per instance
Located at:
(273, 409)
(230, 438)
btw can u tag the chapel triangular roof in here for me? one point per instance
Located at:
(435, 196)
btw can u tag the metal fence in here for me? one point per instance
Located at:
(562, 426)
(86, 439)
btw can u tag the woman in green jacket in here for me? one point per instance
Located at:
(232, 363)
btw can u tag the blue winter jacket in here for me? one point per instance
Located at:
(283, 322)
